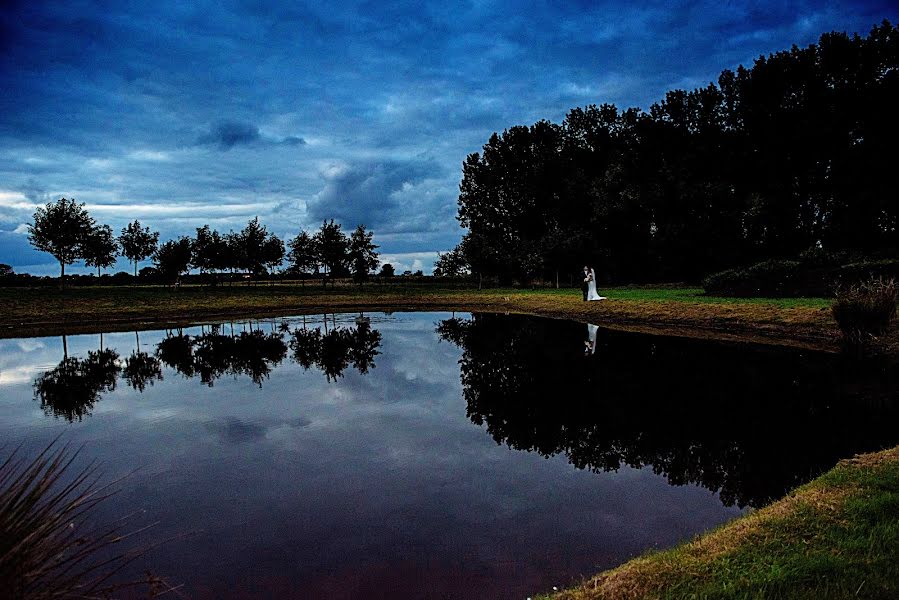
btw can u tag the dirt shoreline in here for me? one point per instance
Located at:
(93, 312)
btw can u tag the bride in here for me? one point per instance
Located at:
(590, 278)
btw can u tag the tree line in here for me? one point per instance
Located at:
(795, 153)
(66, 230)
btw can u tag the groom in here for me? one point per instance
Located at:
(584, 285)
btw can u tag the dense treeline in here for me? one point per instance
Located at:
(794, 153)
(66, 230)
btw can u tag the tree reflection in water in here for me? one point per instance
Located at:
(747, 422)
(73, 387)
(337, 348)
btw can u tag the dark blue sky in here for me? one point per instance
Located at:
(181, 114)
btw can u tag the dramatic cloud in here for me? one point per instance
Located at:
(363, 112)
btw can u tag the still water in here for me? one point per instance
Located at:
(431, 455)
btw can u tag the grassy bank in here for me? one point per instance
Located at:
(677, 311)
(836, 537)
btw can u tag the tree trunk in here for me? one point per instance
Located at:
(135, 267)
(557, 279)
(62, 275)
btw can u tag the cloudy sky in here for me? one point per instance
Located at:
(181, 114)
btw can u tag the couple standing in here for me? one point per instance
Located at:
(589, 286)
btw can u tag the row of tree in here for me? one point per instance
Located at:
(66, 230)
(796, 152)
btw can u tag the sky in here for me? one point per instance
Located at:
(181, 114)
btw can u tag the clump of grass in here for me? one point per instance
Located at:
(48, 547)
(865, 310)
(836, 537)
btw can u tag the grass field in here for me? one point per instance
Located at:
(836, 537)
(666, 310)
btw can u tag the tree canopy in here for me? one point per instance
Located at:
(793, 153)
(61, 228)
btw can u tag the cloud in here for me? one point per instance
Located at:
(227, 134)
(387, 196)
(117, 107)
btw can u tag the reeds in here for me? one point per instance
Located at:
(49, 548)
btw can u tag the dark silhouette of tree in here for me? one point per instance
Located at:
(61, 228)
(6, 272)
(332, 245)
(336, 349)
(619, 404)
(138, 243)
(172, 258)
(387, 270)
(450, 264)
(304, 253)
(212, 355)
(272, 253)
(255, 245)
(364, 345)
(100, 248)
(208, 250)
(177, 352)
(73, 387)
(141, 369)
(792, 153)
(362, 254)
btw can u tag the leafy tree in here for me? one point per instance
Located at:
(450, 264)
(362, 253)
(387, 270)
(61, 228)
(100, 248)
(173, 258)
(138, 243)
(207, 250)
(272, 252)
(304, 253)
(333, 246)
(253, 239)
(6, 271)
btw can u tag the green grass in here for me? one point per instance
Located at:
(836, 537)
(687, 294)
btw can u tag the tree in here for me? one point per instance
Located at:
(61, 228)
(6, 271)
(387, 270)
(304, 253)
(332, 246)
(450, 264)
(138, 243)
(362, 253)
(272, 252)
(101, 249)
(173, 258)
(253, 238)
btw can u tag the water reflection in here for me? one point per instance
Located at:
(73, 387)
(748, 423)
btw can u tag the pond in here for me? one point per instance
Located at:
(432, 455)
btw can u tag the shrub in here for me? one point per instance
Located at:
(865, 310)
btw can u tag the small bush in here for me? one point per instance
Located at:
(865, 310)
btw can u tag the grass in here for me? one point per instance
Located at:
(666, 310)
(836, 537)
(49, 546)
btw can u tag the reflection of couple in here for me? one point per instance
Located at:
(590, 344)
(589, 287)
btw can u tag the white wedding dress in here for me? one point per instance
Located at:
(591, 288)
